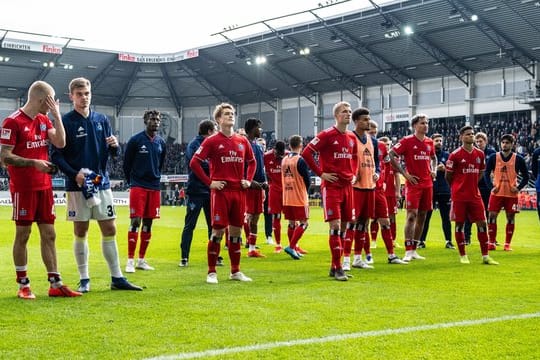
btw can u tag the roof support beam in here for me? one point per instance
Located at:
(348, 83)
(127, 89)
(231, 70)
(105, 73)
(518, 55)
(278, 72)
(205, 83)
(172, 91)
(390, 70)
(453, 66)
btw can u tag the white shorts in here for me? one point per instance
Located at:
(77, 210)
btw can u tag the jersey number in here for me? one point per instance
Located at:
(110, 210)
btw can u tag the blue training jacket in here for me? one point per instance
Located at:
(144, 158)
(194, 186)
(85, 147)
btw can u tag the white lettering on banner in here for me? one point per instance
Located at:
(62, 201)
(25, 45)
(394, 117)
(157, 59)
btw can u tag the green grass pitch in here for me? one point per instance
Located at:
(432, 309)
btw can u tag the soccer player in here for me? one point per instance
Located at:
(198, 193)
(144, 158)
(25, 138)
(296, 180)
(535, 166)
(255, 194)
(367, 174)
(441, 195)
(337, 164)
(227, 153)
(418, 154)
(392, 187)
(272, 165)
(382, 210)
(267, 217)
(89, 143)
(464, 167)
(505, 165)
(481, 142)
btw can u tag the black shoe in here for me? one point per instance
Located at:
(421, 245)
(123, 284)
(219, 261)
(467, 241)
(449, 245)
(183, 263)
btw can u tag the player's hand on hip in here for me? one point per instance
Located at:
(245, 184)
(413, 179)
(330, 177)
(218, 184)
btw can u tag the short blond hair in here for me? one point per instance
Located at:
(219, 109)
(340, 105)
(39, 90)
(78, 83)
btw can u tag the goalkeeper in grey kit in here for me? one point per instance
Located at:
(89, 144)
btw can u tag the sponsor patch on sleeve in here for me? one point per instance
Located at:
(5, 134)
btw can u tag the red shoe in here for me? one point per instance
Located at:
(277, 249)
(256, 254)
(492, 246)
(26, 293)
(63, 291)
(507, 247)
(300, 251)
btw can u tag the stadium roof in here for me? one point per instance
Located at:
(364, 48)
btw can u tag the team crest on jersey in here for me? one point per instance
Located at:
(99, 127)
(6, 134)
(428, 148)
(351, 144)
(478, 161)
(240, 147)
(42, 127)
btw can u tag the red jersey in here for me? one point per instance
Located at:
(337, 154)
(30, 139)
(272, 165)
(389, 177)
(383, 165)
(417, 155)
(466, 168)
(227, 157)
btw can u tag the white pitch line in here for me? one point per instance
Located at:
(365, 334)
